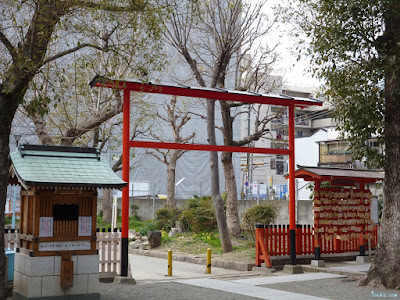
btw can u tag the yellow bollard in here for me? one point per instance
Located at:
(169, 262)
(209, 261)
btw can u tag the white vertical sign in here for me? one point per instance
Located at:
(374, 210)
(46, 227)
(85, 226)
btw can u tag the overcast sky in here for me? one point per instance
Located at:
(294, 72)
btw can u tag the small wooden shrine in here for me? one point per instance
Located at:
(343, 221)
(342, 209)
(57, 255)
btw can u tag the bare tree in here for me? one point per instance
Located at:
(213, 38)
(176, 119)
(29, 31)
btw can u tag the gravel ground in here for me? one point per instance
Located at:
(336, 288)
(165, 291)
(341, 289)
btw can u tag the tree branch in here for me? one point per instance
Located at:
(136, 5)
(11, 49)
(69, 51)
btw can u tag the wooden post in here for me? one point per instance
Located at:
(292, 191)
(125, 177)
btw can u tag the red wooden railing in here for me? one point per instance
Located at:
(273, 240)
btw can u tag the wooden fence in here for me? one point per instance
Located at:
(108, 245)
(11, 239)
(273, 240)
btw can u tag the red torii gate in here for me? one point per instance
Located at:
(207, 93)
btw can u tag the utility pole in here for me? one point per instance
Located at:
(248, 190)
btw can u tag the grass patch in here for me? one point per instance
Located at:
(190, 243)
(134, 224)
(197, 245)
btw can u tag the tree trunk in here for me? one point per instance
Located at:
(215, 192)
(232, 214)
(106, 206)
(171, 180)
(8, 107)
(385, 268)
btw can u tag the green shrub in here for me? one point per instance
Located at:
(198, 214)
(7, 220)
(147, 227)
(134, 211)
(264, 213)
(166, 217)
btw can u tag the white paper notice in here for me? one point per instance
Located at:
(375, 210)
(85, 226)
(64, 246)
(46, 227)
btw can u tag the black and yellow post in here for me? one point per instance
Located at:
(169, 262)
(209, 261)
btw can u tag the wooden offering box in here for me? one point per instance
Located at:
(58, 219)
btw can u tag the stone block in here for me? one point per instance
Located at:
(80, 285)
(23, 286)
(39, 266)
(363, 259)
(51, 286)
(34, 287)
(179, 226)
(293, 269)
(17, 280)
(263, 270)
(318, 263)
(19, 262)
(154, 238)
(57, 266)
(107, 277)
(173, 232)
(87, 264)
(93, 283)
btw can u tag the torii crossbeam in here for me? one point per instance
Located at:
(207, 93)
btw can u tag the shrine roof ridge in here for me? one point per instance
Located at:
(59, 166)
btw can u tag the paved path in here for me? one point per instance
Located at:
(189, 281)
(247, 289)
(150, 268)
(351, 267)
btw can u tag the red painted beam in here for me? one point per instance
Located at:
(203, 147)
(199, 92)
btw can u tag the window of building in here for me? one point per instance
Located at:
(279, 167)
(272, 163)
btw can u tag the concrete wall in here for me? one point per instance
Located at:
(147, 206)
(36, 277)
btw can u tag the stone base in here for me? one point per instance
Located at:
(107, 277)
(263, 270)
(293, 269)
(124, 280)
(318, 263)
(39, 277)
(94, 296)
(362, 259)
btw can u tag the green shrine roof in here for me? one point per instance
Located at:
(59, 166)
